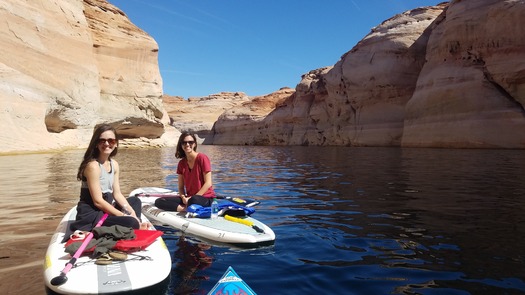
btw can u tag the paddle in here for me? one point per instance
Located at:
(239, 201)
(236, 200)
(245, 222)
(61, 279)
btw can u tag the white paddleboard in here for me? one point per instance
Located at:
(141, 270)
(240, 232)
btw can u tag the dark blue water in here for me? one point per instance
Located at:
(365, 221)
(347, 220)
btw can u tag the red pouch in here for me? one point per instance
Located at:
(143, 238)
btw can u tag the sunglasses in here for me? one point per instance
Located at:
(188, 142)
(110, 141)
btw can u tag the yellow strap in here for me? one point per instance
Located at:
(235, 219)
(240, 201)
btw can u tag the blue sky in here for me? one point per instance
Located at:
(253, 46)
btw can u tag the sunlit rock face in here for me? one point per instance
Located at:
(67, 66)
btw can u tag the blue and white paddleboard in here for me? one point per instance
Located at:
(231, 283)
(235, 231)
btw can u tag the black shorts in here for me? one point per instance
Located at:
(171, 203)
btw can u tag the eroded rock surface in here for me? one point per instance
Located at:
(69, 65)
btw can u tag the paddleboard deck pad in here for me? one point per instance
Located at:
(231, 283)
(141, 270)
(239, 231)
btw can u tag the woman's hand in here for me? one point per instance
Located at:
(127, 210)
(132, 213)
(185, 199)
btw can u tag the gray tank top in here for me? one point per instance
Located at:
(106, 178)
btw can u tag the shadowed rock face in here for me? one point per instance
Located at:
(471, 90)
(69, 65)
(444, 76)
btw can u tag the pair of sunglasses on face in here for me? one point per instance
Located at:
(110, 141)
(188, 142)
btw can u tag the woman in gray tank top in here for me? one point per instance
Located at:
(100, 188)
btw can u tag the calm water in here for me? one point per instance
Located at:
(347, 220)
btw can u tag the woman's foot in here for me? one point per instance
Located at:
(146, 225)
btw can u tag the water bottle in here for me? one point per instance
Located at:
(214, 209)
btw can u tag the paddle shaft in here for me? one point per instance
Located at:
(239, 201)
(80, 250)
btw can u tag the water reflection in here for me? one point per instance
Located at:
(190, 258)
(61, 176)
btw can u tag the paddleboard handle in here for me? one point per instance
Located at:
(245, 222)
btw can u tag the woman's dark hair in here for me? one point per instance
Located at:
(92, 151)
(179, 154)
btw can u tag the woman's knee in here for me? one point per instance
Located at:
(200, 200)
(127, 221)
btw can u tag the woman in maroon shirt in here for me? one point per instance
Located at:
(194, 177)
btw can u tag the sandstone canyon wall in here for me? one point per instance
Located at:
(451, 75)
(198, 114)
(67, 65)
(241, 125)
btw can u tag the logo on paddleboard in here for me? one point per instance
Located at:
(230, 279)
(185, 226)
(114, 283)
